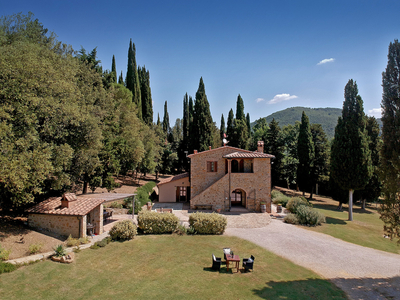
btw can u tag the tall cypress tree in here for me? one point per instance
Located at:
(132, 78)
(305, 152)
(158, 119)
(185, 122)
(248, 124)
(222, 128)
(230, 128)
(202, 120)
(350, 156)
(390, 152)
(240, 109)
(165, 123)
(113, 70)
(145, 92)
(191, 129)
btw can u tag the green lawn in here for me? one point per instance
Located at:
(366, 229)
(166, 267)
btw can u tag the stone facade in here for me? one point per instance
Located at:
(213, 186)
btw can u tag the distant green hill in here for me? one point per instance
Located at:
(327, 117)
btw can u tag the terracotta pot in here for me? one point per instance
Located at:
(263, 208)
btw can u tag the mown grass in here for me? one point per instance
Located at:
(166, 267)
(366, 229)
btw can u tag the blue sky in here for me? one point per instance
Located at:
(276, 54)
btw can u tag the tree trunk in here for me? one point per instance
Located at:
(156, 175)
(312, 192)
(85, 187)
(340, 206)
(363, 201)
(351, 205)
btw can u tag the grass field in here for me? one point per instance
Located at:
(366, 229)
(166, 267)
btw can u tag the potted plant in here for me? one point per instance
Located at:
(263, 207)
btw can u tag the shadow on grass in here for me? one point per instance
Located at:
(300, 289)
(335, 221)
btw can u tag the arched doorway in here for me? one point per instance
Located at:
(238, 198)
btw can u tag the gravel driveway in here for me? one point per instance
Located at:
(363, 273)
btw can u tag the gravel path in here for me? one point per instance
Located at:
(363, 273)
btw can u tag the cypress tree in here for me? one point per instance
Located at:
(230, 127)
(390, 152)
(350, 155)
(202, 120)
(185, 121)
(121, 79)
(240, 109)
(305, 152)
(132, 78)
(165, 123)
(191, 129)
(158, 119)
(248, 123)
(222, 128)
(145, 92)
(113, 70)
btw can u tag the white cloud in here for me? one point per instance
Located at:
(282, 97)
(258, 100)
(326, 60)
(375, 112)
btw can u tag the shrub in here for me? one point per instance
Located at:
(142, 195)
(280, 199)
(59, 251)
(95, 246)
(84, 240)
(124, 230)
(291, 219)
(309, 216)
(72, 242)
(35, 248)
(102, 243)
(204, 223)
(4, 254)
(180, 230)
(7, 267)
(157, 223)
(295, 202)
(276, 194)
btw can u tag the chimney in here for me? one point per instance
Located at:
(260, 146)
(195, 152)
(209, 147)
(68, 200)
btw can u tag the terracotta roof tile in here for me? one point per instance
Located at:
(81, 207)
(248, 155)
(173, 178)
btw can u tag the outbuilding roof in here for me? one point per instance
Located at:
(52, 206)
(173, 178)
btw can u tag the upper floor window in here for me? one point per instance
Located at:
(212, 166)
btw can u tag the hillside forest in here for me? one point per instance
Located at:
(66, 124)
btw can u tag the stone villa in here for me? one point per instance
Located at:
(222, 178)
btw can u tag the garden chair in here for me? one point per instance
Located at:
(248, 263)
(226, 251)
(216, 265)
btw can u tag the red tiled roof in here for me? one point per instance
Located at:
(248, 155)
(219, 148)
(81, 207)
(173, 178)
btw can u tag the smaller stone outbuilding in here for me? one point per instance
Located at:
(174, 189)
(68, 215)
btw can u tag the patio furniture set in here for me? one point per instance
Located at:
(230, 257)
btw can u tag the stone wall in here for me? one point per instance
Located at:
(63, 225)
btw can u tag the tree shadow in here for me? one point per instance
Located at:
(330, 220)
(353, 288)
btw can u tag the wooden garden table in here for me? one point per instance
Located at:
(232, 258)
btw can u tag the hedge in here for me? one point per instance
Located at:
(206, 223)
(124, 230)
(151, 222)
(143, 195)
